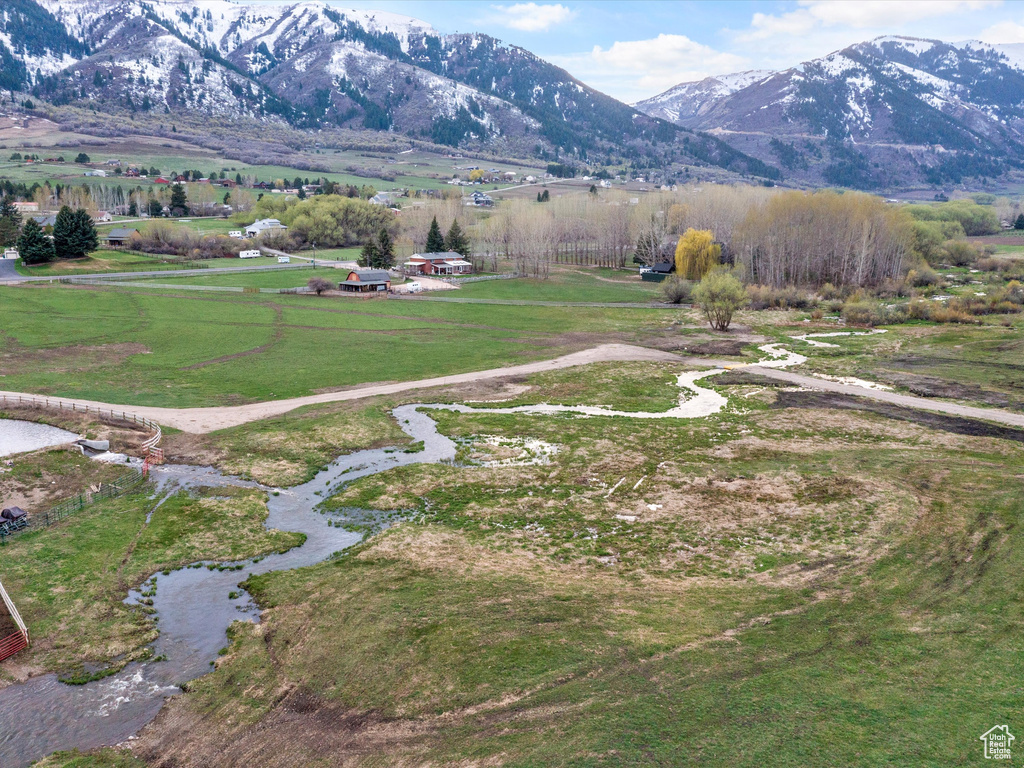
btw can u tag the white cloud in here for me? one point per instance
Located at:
(864, 14)
(1003, 32)
(532, 17)
(636, 69)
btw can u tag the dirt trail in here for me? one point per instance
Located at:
(202, 420)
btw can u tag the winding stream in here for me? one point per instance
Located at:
(42, 715)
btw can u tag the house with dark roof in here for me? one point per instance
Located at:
(658, 272)
(120, 236)
(45, 220)
(366, 281)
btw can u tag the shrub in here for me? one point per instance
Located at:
(923, 277)
(789, 297)
(719, 294)
(960, 254)
(319, 284)
(676, 290)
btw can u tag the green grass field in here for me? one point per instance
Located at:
(128, 345)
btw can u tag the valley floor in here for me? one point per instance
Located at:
(802, 578)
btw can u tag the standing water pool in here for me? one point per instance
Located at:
(18, 436)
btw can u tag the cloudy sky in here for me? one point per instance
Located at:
(632, 49)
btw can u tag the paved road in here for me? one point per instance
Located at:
(531, 303)
(202, 420)
(8, 269)
(152, 273)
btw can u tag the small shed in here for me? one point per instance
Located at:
(120, 236)
(366, 281)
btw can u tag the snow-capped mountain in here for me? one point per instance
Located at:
(314, 65)
(870, 113)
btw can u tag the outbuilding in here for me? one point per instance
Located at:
(253, 253)
(366, 281)
(120, 236)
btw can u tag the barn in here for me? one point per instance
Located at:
(366, 281)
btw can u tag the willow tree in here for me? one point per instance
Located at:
(697, 253)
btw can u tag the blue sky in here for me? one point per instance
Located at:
(632, 49)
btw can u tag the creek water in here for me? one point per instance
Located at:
(43, 715)
(18, 436)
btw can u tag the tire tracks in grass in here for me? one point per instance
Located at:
(274, 341)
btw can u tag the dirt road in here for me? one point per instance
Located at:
(1008, 418)
(202, 420)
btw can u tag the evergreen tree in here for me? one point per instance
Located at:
(368, 256)
(1019, 223)
(74, 234)
(82, 158)
(456, 239)
(63, 233)
(179, 201)
(33, 246)
(10, 222)
(155, 207)
(85, 233)
(385, 250)
(133, 209)
(435, 240)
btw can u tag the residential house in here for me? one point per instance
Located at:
(102, 216)
(448, 263)
(366, 281)
(121, 236)
(257, 228)
(479, 199)
(381, 198)
(658, 272)
(46, 220)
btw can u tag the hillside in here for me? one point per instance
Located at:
(883, 113)
(313, 66)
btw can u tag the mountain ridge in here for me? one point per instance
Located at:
(953, 110)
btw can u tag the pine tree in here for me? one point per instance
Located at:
(385, 250)
(368, 256)
(10, 222)
(33, 246)
(179, 201)
(435, 240)
(86, 238)
(64, 233)
(1019, 223)
(456, 240)
(133, 209)
(155, 208)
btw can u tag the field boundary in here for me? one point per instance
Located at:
(127, 482)
(11, 644)
(47, 402)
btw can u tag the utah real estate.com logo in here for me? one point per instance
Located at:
(997, 742)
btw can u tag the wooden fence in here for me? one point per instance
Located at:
(65, 405)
